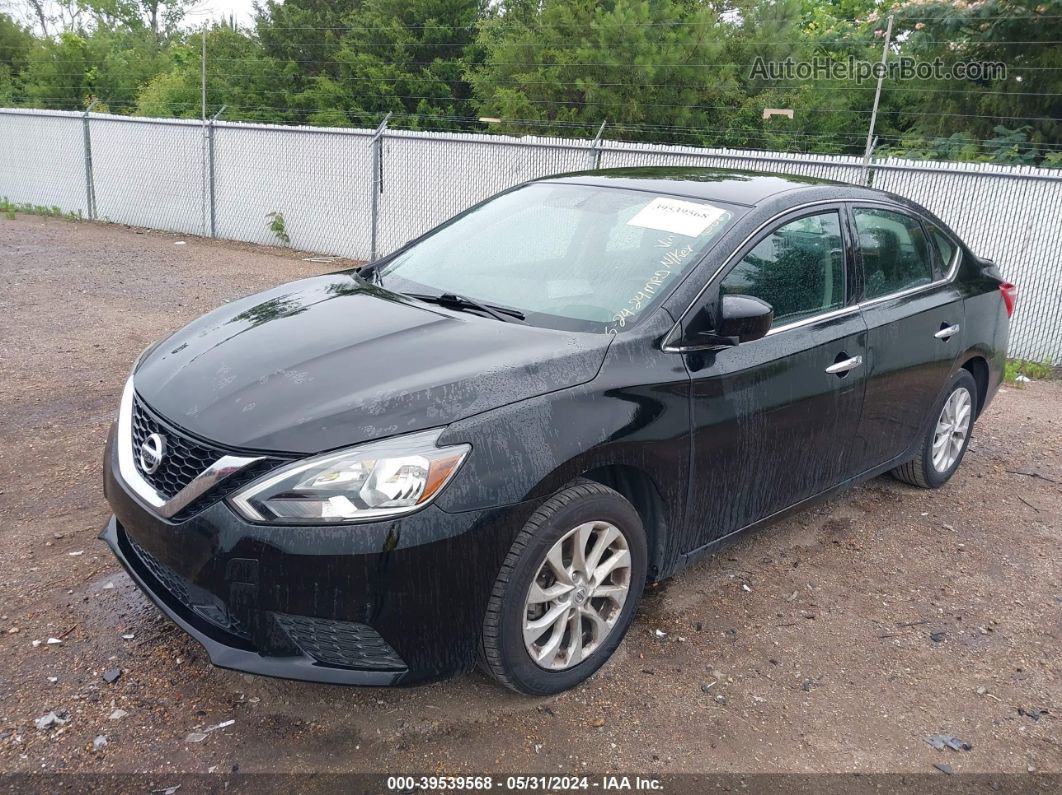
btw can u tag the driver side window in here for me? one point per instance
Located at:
(798, 269)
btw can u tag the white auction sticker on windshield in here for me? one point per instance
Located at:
(677, 216)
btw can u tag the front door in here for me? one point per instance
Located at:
(772, 418)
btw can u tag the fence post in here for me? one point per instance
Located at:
(377, 179)
(595, 147)
(90, 185)
(210, 169)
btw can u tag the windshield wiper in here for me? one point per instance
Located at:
(454, 301)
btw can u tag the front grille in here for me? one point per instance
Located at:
(342, 643)
(185, 458)
(199, 600)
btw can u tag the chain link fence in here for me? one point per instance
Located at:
(361, 193)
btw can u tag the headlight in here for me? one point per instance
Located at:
(370, 481)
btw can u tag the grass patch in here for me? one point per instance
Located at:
(1036, 371)
(11, 209)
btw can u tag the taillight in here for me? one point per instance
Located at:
(1010, 294)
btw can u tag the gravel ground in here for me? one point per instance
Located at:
(837, 640)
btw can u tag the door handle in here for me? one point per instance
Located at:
(947, 332)
(838, 368)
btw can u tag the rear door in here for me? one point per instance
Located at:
(772, 418)
(914, 317)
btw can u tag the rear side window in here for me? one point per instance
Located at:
(895, 252)
(798, 269)
(945, 247)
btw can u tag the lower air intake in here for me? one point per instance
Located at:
(342, 643)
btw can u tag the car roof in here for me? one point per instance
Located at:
(748, 188)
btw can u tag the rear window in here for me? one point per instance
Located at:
(895, 252)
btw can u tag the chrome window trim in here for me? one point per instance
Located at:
(831, 315)
(918, 288)
(850, 204)
(218, 471)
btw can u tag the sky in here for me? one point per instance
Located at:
(205, 10)
(221, 9)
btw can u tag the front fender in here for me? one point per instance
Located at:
(530, 449)
(634, 414)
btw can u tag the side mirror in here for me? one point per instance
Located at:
(745, 318)
(742, 319)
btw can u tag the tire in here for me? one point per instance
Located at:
(923, 470)
(560, 523)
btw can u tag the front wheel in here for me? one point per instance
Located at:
(566, 592)
(946, 442)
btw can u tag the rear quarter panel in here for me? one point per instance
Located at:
(986, 331)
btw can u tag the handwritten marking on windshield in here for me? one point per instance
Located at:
(667, 264)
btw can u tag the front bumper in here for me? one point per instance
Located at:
(383, 603)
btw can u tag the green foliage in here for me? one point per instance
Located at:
(676, 71)
(655, 70)
(278, 227)
(72, 70)
(399, 56)
(11, 209)
(1035, 371)
(16, 45)
(1018, 33)
(239, 75)
(1011, 147)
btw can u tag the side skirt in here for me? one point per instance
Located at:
(689, 558)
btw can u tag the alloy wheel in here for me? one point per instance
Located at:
(952, 428)
(576, 598)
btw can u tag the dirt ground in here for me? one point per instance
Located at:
(837, 640)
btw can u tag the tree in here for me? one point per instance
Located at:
(110, 66)
(303, 35)
(240, 75)
(993, 112)
(655, 71)
(160, 17)
(404, 56)
(827, 117)
(16, 44)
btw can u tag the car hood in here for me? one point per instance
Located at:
(333, 361)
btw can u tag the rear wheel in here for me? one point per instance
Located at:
(566, 592)
(946, 442)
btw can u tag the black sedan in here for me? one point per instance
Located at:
(482, 446)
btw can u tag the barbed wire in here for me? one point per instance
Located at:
(493, 24)
(266, 58)
(671, 105)
(872, 41)
(696, 133)
(628, 83)
(538, 64)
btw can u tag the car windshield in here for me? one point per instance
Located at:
(577, 257)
